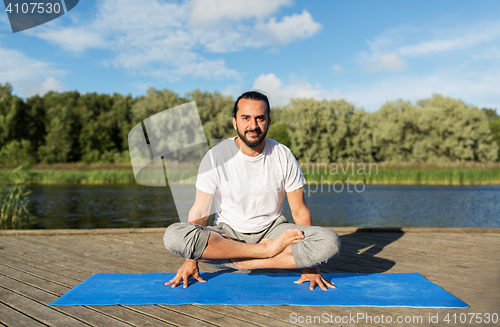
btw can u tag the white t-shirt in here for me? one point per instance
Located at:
(249, 191)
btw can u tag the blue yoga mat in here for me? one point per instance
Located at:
(353, 289)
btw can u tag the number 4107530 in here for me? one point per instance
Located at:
(471, 318)
(33, 8)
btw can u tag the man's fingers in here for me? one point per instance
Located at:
(313, 283)
(329, 284)
(322, 284)
(198, 278)
(185, 281)
(176, 282)
(300, 281)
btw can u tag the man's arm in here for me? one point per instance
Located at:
(198, 215)
(300, 212)
(302, 216)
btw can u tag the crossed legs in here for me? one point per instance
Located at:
(283, 245)
(220, 247)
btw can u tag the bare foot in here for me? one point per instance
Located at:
(277, 246)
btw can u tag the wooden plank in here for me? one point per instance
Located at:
(111, 263)
(205, 314)
(132, 316)
(174, 317)
(39, 272)
(39, 312)
(12, 317)
(33, 281)
(245, 315)
(281, 313)
(459, 244)
(141, 256)
(465, 264)
(43, 265)
(82, 313)
(69, 261)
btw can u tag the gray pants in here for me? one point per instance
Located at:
(190, 240)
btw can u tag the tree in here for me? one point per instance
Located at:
(453, 131)
(495, 130)
(394, 131)
(14, 118)
(63, 124)
(491, 114)
(327, 131)
(152, 103)
(215, 113)
(436, 129)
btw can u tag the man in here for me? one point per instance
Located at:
(249, 176)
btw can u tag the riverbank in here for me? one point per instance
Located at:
(455, 173)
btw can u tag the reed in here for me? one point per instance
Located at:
(405, 173)
(14, 198)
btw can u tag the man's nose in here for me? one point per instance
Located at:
(253, 123)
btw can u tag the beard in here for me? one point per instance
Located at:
(252, 143)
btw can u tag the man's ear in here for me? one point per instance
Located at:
(234, 123)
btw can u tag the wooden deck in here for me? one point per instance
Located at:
(36, 267)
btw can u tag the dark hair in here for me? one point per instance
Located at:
(252, 95)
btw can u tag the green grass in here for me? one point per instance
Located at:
(83, 177)
(381, 173)
(406, 174)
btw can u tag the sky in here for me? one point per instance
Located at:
(365, 52)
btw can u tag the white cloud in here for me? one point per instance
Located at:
(234, 90)
(280, 95)
(28, 76)
(164, 39)
(479, 89)
(72, 39)
(386, 62)
(210, 12)
(464, 40)
(338, 68)
(289, 29)
(462, 63)
(393, 49)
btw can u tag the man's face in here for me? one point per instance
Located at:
(251, 122)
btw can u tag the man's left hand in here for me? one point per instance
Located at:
(313, 275)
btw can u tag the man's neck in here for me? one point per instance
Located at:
(251, 152)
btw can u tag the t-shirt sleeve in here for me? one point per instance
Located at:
(206, 179)
(294, 178)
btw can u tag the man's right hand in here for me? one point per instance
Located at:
(188, 269)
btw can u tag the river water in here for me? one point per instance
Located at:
(133, 206)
